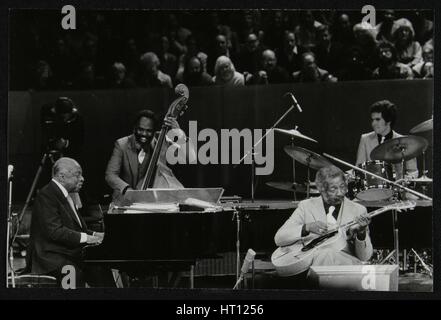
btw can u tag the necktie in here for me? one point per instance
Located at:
(72, 205)
(330, 220)
(141, 156)
(382, 139)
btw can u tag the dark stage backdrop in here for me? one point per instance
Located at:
(335, 114)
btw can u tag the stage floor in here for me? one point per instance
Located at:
(407, 282)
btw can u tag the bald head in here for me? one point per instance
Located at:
(269, 60)
(68, 173)
(150, 62)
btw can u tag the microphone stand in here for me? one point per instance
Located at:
(251, 152)
(236, 215)
(9, 243)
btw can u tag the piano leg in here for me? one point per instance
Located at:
(192, 276)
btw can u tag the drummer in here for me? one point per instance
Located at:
(383, 117)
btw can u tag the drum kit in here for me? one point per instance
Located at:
(372, 180)
(304, 156)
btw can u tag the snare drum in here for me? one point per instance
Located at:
(370, 188)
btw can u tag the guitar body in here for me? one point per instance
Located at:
(296, 258)
(290, 260)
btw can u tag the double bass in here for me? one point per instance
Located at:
(176, 109)
(296, 258)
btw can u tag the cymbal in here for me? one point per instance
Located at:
(295, 133)
(423, 126)
(394, 150)
(293, 187)
(307, 157)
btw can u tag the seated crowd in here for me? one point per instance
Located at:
(232, 48)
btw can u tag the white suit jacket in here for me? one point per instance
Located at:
(312, 210)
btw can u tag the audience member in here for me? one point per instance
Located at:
(408, 51)
(306, 31)
(270, 72)
(193, 75)
(288, 56)
(310, 72)
(225, 73)
(150, 75)
(389, 67)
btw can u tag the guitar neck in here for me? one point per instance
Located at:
(372, 214)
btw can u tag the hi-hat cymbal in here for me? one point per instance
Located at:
(293, 187)
(295, 133)
(394, 150)
(307, 157)
(423, 126)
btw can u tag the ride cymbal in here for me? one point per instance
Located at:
(395, 150)
(307, 157)
(295, 133)
(423, 126)
(292, 187)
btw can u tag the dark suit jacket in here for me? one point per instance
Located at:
(55, 232)
(122, 169)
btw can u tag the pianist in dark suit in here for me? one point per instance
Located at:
(131, 156)
(58, 232)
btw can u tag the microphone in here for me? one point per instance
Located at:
(249, 258)
(10, 170)
(295, 101)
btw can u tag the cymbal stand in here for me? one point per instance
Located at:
(251, 152)
(9, 241)
(402, 162)
(253, 175)
(425, 266)
(424, 186)
(236, 216)
(294, 171)
(396, 237)
(308, 183)
(47, 155)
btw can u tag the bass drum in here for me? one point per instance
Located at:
(370, 188)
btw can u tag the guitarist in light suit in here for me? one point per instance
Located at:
(315, 215)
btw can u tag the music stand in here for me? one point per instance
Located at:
(151, 196)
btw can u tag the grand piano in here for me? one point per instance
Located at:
(145, 240)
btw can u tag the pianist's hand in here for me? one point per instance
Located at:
(99, 235)
(93, 239)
